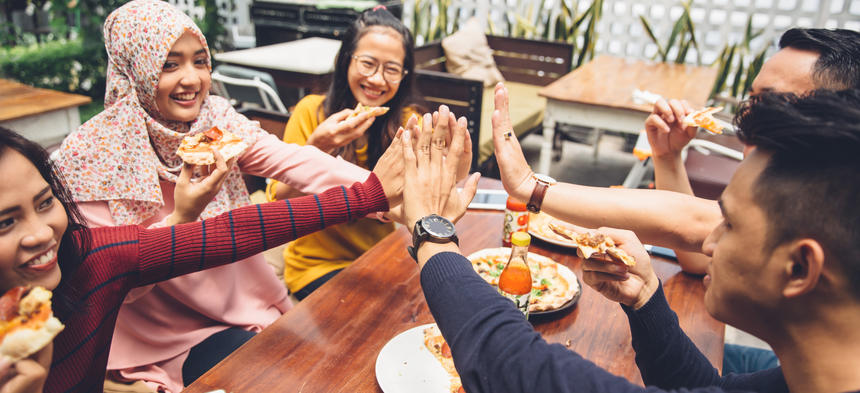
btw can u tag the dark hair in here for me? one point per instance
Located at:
(810, 187)
(339, 96)
(76, 241)
(838, 64)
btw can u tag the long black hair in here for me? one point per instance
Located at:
(76, 241)
(339, 96)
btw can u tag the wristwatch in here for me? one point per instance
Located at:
(542, 182)
(434, 228)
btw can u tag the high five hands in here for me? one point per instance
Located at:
(434, 162)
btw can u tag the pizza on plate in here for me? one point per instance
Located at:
(27, 323)
(705, 118)
(197, 149)
(374, 111)
(539, 227)
(591, 243)
(435, 343)
(553, 284)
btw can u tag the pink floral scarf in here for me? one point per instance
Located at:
(119, 155)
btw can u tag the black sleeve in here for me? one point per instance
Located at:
(496, 350)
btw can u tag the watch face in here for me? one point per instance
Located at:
(437, 226)
(544, 178)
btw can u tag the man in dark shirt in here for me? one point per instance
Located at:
(784, 266)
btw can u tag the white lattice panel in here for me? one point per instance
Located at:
(235, 12)
(716, 21)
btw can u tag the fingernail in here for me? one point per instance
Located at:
(406, 134)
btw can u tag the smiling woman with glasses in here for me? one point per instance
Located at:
(374, 67)
(368, 66)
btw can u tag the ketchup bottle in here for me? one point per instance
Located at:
(515, 281)
(516, 219)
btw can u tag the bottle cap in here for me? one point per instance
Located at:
(521, 239)
(515, 205)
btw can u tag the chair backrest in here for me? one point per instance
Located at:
(247, 86)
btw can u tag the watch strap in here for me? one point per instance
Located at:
(536, 199)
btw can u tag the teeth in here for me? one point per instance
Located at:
(184, 97)
(373, 92)
(45, 258)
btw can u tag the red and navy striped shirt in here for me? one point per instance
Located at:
(126, 257)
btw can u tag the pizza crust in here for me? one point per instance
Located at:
(704, 118)
(374, 111)
(21, 343)
(434, 343)
(28, 334)
(230, 145)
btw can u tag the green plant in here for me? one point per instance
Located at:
(683, 34)
(58, 65)
(738, 61)
(430, 22)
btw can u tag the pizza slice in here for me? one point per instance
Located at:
(27, 323)
(372, 110)
(435, 343)
(591, 243)
(705, 118)
(197, 149)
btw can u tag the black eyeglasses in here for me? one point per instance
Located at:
(368, 65)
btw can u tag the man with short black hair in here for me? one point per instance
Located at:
(785, 265)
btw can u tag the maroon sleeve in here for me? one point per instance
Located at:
(168, 252)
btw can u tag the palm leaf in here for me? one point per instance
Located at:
(680, 24)
(682, 52)
(739, 74)
(650, 33)
(752, 71)
(726, 58)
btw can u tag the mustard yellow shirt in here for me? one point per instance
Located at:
(312, 256)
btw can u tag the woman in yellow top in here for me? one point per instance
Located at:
(374, 67)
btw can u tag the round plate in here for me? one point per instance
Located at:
(541, 220)
(564, 271)
(404, 365)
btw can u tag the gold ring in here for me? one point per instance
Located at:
(508, 134)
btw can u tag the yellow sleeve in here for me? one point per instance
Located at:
(304, 119)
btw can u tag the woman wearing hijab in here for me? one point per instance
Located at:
(122, 167)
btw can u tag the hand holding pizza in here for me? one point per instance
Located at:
(340, 129)
(629, 285)
(27, 375)
(431, 176)
(667, 133)
(191, 196)
(513, 168)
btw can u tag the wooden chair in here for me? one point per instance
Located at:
(527, 65)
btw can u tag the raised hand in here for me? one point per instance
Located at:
(513, 168)
(665, 128)
(191, 196)
(339, 129)
(389, 169)
(430, 176)
(631, 286)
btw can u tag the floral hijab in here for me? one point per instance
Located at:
(120, 155)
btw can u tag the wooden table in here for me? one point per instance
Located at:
(305, 64)
(599, 95)
(329, 342)
(43, 116)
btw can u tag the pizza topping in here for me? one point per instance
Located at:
(214, 134)
(9, 303)
(592, 243)
(704, 118)
(446, 350)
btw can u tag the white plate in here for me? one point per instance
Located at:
(541, 219)
(404, 365)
